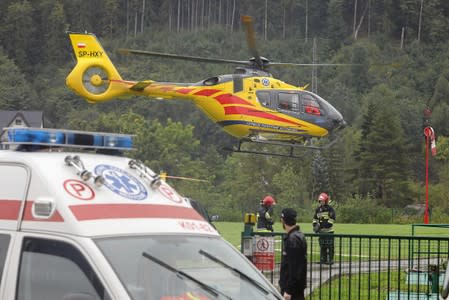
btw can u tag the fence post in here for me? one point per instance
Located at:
(435, 278)
(247, 235)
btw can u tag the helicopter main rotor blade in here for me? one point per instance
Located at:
(277, 64)
(251, 40)
(125, 51)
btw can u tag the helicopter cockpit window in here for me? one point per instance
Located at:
(288, 101)
(263, 98)
(310, 105)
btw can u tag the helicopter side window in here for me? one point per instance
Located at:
(310, 105)
(263, 98)
(211, 81)
(288, 101)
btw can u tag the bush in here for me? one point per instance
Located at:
(363, 210)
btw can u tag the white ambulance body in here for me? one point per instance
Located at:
(84, 226)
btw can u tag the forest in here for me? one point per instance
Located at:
(397, 85)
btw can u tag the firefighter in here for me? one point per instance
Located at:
(323, 223)
(265, 214)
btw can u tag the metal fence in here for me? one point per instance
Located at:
(366, 266)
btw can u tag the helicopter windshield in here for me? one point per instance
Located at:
(173, 267)
(331, 112)
(303, 104)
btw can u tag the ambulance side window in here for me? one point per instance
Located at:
(54, 270)
(4, 244)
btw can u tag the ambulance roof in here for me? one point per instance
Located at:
(89, 194)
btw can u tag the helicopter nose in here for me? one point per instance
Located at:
(339, 124)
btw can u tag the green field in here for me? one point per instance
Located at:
(232, 231)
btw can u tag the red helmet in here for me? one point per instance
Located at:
(323, 197)
(268, 201)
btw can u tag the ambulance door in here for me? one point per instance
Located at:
(45, 268)
(5, 241)
(14, 183)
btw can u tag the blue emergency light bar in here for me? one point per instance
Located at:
(68, 138)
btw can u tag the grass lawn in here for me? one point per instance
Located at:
(231, 231)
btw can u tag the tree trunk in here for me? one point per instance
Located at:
(355, 18)
(136, 19)
(233, 16)
(219, 12)
(402, 37)
(170, 16)
(306, 34)
(283, 24)
(142, 21)
(419, 22)
(360, 23)
(369, 18)
(266, 20)
(127, 18)
(179, 16)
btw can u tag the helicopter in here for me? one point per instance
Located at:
(249, 104)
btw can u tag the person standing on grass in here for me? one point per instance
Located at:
(323, 223)
(265, 214)
(293, 272)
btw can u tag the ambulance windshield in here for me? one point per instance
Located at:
(183, 267)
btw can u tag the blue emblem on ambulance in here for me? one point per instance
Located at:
(121, 182)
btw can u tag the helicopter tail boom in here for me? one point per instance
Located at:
(94, 77)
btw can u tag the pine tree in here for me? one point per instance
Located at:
(383, 161)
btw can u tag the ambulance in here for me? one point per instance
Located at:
(81, 221)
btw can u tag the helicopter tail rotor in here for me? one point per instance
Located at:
(94, 77)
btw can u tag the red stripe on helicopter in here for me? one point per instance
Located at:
(237, 110)
(86, 212)
(231, 99)
(166, 88)
(184, 91)
(123, 81)
(207, 92)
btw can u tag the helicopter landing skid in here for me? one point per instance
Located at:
(291, 147)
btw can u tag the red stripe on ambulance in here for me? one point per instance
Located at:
(85, 212)
(10, 210)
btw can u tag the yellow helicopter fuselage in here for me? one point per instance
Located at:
(229, 100)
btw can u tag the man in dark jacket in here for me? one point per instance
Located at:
(293, 274)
